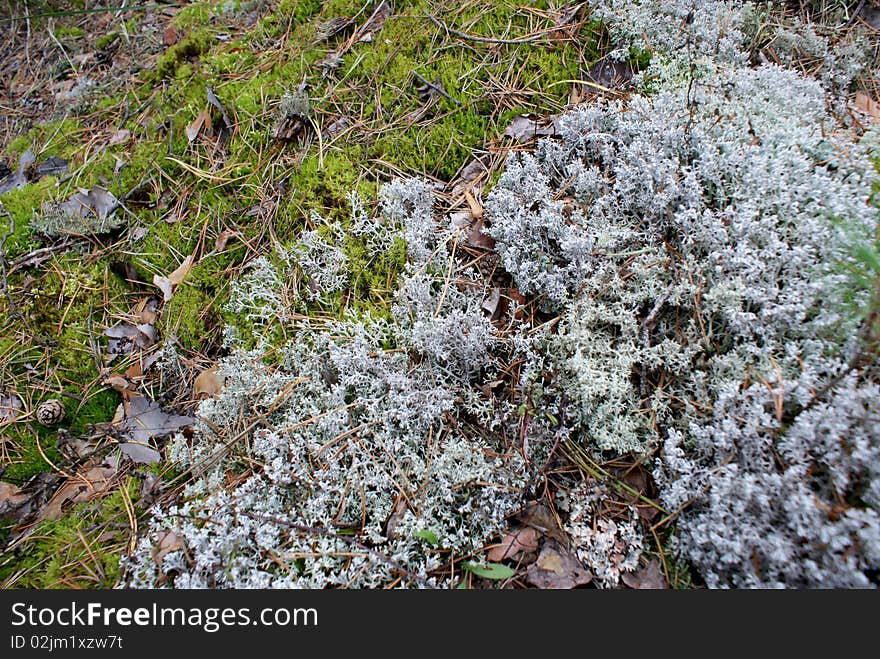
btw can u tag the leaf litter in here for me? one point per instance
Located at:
(142, 422)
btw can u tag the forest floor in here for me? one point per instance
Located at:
(149, 154)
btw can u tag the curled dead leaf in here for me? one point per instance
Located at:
(557, 568)
(168, 542)
(11, 498)
(144, 421)
(194, 128)
(225, 236)
(868, 105)
(97, 201)
(146, 311)
(119, 383)
(539, 516)
(208, 383)
(168, 284)
(10, 407)
(18, 179)
(515, 543)
(121, 136)
(477, 238)
(78, 489)
(125, 337)
(524, 128)
(649, 577)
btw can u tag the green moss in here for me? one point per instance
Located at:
(305, 9)
(81, 549)
(23, 204)
(69, 31)
(193, 15)
(373, 276)
(61, 138)
(193, 45)
(105, 40)
(28, 444)
(190, 316)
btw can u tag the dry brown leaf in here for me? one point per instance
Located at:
(213, 100)
(524, 128)
(134, 371)
(868, 105)
(475, 206)
(78, 489)
(169, 541)
(170, 36)
(557, 568)
(193, 130)
(125, 337)
(208, 383)
(460, 219)
(167, 284)
(519, 541)
(145, 420)
(146, 311)
(336, 127)
(121, 136)
(10, 407)
(10, 496)
(649, 577)
(539, 516)
(491, 303)
(97, 201)
(18, 179)
(519, 303)
(225, 236)
(119, 383)
(476, 237)
(374, 22)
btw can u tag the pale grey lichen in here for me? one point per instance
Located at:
(692, 242)
(608, 547)
(354, 431)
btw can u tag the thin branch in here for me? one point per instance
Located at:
(437, 88)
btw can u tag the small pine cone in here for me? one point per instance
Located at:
(50, 412)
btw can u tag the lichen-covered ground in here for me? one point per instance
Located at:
(379, 294)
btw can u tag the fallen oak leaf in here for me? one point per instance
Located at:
(193, 130)
(868, 105)
(557, 568)
(143, 421)
(649, 577)
(208, 383)
(10, 407)
(514, 543)
(78, 489)
(168, 284)
(97, 201)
